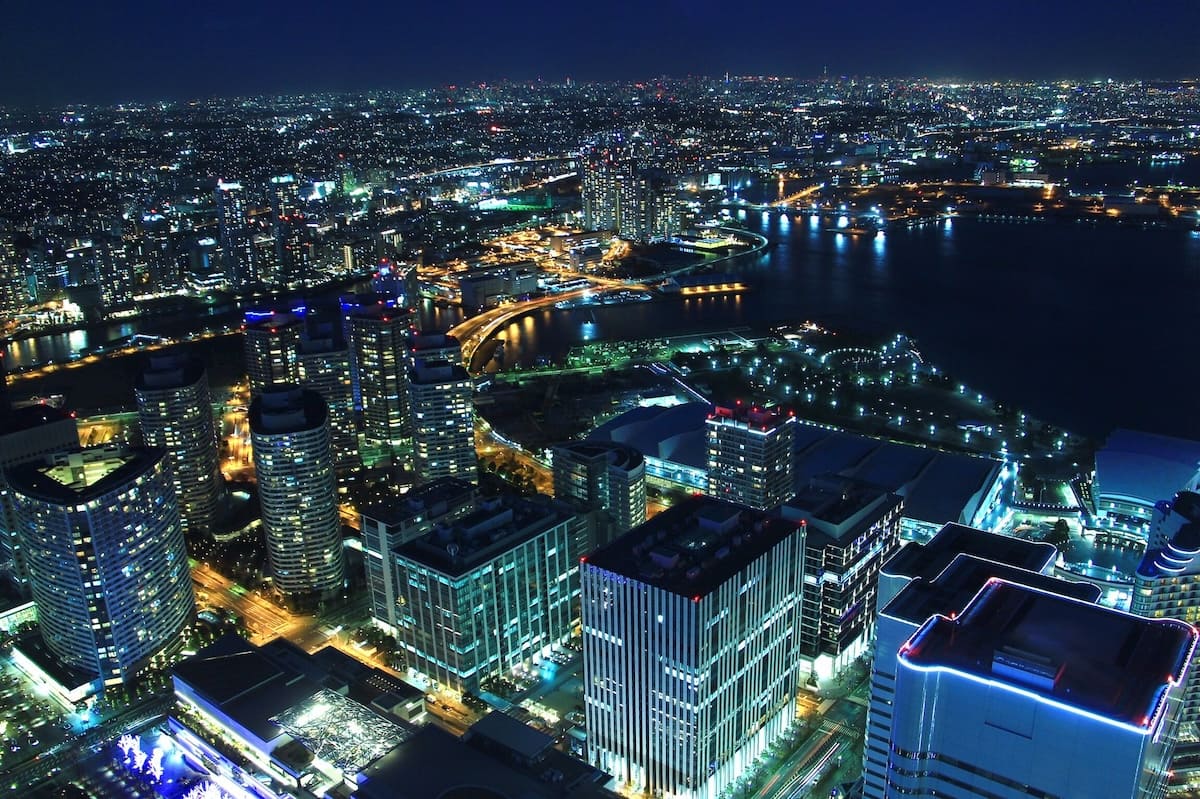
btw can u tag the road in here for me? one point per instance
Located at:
(473, 332)
(264, 619)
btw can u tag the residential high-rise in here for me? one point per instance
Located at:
(853, 529)
(26, 434)
(750, 460)
(289, 429)
(236, 240)
(604, 477)
(1166, 581)
(176, 415)
(272, 349)
(324, 367)
(443, 421)
(1030, 693)
(378, 338)
(106, 557)
(941, 577)
(691, 647)
(424, 348)
(486, 593)
(621, 194)
(387, 524)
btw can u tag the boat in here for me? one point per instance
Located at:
(1166, 158)
(853, 231)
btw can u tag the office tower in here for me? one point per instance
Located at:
(443, 421)
(387, 524)
(1030, 693)
(604, 477)
(289, 429)
(750, 459)
(176, 415)
(378, 337)
(324, 367)
(941, 576)
(486, 593)
(397, 281)
(1166, 581)
(424, 348)
(106, 556)
(690, 646)
(272, 349)
(853, 529)
(293, 251)
(26, 434)
(237, 243)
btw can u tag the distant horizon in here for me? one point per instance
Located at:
(55, 54)
(505, 82)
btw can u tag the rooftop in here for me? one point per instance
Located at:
(340, 731)
(31, 417)
(616, 456)
(286, 409)
(1145, 466)
(839, 508)
(82, 475)
(951, 591)
(1181, 554)
(926, 561)
(1076, 654)
(496, 526)
(694, 547)
(430, 499)
(748, 416)
(170, 371)
(472, 768)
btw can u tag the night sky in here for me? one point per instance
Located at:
(53, 52)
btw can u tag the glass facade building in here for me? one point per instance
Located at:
(691, 646)
(106, 557)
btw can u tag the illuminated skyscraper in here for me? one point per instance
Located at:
(289, 429)
(26, 434)
(622, 195)
(272, 349)
(378, 338)
(605, 477)
(424, 348)
(1029, 693)
(443, 421)
(176, 415)
(750, 458)
(106, 557)
(853, 529)
(325, 368)
(487, 592)
(691, 651)
(235, 236)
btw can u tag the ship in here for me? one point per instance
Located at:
(1166, 158)
(853, 231)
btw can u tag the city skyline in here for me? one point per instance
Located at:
(225, 49)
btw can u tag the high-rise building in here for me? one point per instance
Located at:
(387, 524)
(622, 195)
(940, 577)
(237, 243)
(443, 421)
(604, 477)
(1166, 581)
(853, 529)
(378, 337)
(691, 647)
(750, 460)
(289, 430)
(272, 349)
(1030, 693)
(176, 415)
(324, 367)
(106, 557)
(486, 593)
(26, 434)
(425, 348)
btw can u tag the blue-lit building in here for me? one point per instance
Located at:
(1135, 470)
(941, 577)
(106, 557)
(691, 646)
(1026, 692)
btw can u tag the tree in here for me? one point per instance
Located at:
(1060, 534)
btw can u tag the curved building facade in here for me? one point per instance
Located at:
(175, 412)
(289, 429)
(106, 556)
